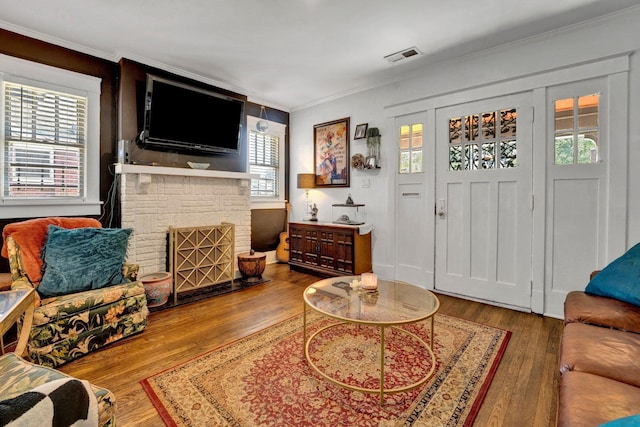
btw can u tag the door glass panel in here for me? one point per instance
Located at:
(474, 140)
(588, 111)
(404, 137)
(416, 135)
(508, 122)
(410, 149)
(455, 130)
(508, 154)
(576, 130)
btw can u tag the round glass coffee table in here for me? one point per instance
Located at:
(393, 304)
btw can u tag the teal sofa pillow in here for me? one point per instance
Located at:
(620, 279)
(632, 421)
(81, 259)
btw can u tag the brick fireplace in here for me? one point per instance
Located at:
(154, 198)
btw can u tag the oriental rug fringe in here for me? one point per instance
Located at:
(264, 378)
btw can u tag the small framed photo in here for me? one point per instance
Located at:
(361, 131)
(331, 148)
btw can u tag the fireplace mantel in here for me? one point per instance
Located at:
(164, 170)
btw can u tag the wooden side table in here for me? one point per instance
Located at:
(14, 304)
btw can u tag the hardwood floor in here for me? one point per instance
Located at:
(523, 392)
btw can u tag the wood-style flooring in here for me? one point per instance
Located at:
(523, 391)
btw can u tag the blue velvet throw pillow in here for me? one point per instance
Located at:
(632, 421)
(620, 279)
(81, 259)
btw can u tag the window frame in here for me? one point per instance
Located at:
(42, 76)
(277, 130)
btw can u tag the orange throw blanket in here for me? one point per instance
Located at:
(31, 235)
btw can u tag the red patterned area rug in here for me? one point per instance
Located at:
(264, 379)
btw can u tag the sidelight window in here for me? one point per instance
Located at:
(576, 130)
(411, 148)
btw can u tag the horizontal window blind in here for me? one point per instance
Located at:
(45, 141)
(263, 161)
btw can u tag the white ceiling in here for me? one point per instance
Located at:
(291, 53)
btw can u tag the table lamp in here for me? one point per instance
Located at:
(306, 181)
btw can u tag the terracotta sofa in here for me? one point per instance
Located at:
(599, 362)
(67, 326)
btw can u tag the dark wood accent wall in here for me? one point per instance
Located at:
(119, 119)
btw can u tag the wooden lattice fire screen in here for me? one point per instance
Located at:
(201, 256)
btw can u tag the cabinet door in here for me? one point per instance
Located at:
(295, 244)
(310, 246)
(344, 252)
(327, 249)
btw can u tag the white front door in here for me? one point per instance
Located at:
(484, 200)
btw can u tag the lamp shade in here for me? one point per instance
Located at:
(306, 180)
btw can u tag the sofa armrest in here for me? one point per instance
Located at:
(595, 310)
(130, 271)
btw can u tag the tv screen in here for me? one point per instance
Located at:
(186, 117)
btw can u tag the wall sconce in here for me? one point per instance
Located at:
(306, 181)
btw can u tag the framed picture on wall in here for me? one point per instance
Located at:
(361, 131)
(331, 152)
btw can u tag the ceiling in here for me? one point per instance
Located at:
(289, 54)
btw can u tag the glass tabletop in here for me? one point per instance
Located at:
(10, 299)
(392, 303)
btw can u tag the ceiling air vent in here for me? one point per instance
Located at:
(403, 54)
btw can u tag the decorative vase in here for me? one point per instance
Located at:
(252, 265)
(157, 287)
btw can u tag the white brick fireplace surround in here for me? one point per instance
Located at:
(153, 198)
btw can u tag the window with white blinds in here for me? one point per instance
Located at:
(264, 162)
(49, 140)
(44, 143)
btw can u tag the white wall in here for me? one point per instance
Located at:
(437, 85)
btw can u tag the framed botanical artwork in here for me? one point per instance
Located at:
(361, 131)
(331, 153)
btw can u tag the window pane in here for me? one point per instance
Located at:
(455, 158)
(416, 162)
(404, 137)
(508, 154)
(455, 130)
(588, 147)
(416, 135)
(588, 111)
(45, 137)
(488, 156)
(263, 161)
(564, 114)
(489, 125)
(471, 157)
(564, 150)
(471, 127)
(508, 119)
(405, 162)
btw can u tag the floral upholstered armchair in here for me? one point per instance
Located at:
(86, 298)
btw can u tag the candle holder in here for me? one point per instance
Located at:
(369, 281)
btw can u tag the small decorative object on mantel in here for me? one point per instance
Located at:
(349, 200)
(194, 165)
(373, 149)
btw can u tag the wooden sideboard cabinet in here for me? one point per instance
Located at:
(328, 249)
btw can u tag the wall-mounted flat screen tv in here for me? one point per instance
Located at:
(188, 118)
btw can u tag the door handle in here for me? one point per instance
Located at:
(440, 208)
